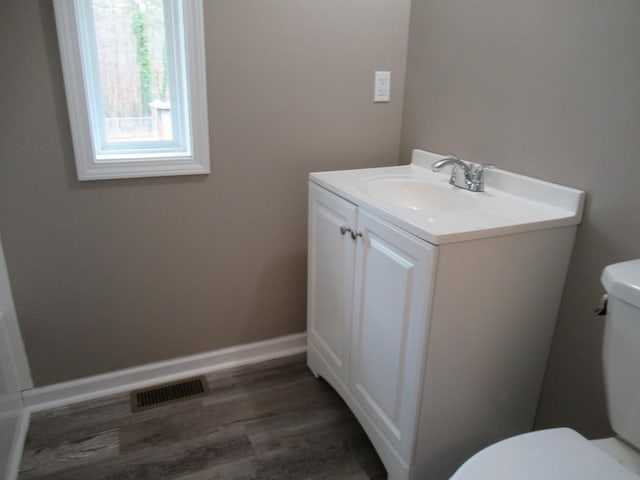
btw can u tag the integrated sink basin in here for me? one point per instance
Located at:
(423, 202)
(417, 194)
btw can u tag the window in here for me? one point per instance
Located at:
(135, 84)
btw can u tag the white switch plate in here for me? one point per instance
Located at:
(382, 87)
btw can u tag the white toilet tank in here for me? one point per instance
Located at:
(621, 348)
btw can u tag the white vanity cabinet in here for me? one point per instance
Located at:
(369, 290)
(368, 298)
(437, 342)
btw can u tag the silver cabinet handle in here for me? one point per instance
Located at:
(354, 234)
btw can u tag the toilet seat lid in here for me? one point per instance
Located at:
(559, 453)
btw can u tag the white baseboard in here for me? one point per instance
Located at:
(143, 376)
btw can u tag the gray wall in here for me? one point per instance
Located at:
(113, 274)
(550, 89)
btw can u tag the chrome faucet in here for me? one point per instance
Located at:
(470, 177)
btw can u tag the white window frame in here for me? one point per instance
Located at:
(97, 159)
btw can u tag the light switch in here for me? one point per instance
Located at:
(382, 87)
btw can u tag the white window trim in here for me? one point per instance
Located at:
(91, 166)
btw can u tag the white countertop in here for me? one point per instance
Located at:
(511, 203)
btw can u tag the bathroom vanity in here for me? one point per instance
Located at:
(431, 309)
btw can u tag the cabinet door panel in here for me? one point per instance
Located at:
(393, 288)
(330, 283)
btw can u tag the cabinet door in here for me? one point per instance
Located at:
(330, 278)
(394, 278)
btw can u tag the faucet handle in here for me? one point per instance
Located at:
(477, 169)
(476, 176)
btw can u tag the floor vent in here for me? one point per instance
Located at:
(168, 393)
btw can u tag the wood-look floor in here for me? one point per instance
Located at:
(268, 421)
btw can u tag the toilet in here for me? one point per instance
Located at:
(562, 453)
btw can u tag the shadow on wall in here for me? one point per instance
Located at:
(580, 331)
